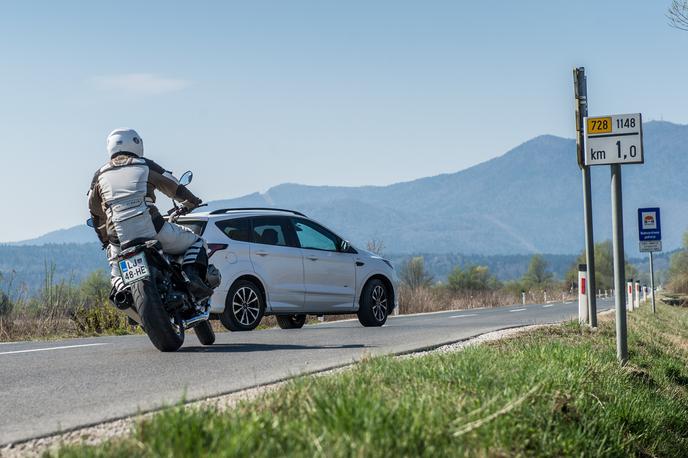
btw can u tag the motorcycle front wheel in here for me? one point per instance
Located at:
(204, 332)
(162, 330)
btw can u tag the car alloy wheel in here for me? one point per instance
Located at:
(375, 304)
(246, 306)
(379, 297)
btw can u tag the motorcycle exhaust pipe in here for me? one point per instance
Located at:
(191, 322)
(122, 300)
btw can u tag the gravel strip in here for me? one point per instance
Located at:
(94, 435)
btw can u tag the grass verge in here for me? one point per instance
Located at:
(556, 391)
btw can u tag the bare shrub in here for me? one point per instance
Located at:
(435, 299)
(376, 246)
(63, 309)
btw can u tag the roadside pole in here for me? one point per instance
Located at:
(582, 294)
(619, 267)
(581, 96)
(652, 283)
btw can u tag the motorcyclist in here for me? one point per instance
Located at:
(121, 200)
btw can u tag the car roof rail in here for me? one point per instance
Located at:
(225, 210)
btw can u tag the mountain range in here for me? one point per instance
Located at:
(528, 200)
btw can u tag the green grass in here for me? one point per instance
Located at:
(558, 391)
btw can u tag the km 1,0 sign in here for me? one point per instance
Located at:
(614, 139)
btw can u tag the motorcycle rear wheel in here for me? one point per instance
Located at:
(162, 330)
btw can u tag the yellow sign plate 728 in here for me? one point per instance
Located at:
(600, 125)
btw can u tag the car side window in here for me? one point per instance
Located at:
(270, 230)
(315, 237)
(236, 229)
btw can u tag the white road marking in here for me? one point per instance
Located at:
(517, 310)
(546, 306)
(51, 348)
(464, 316)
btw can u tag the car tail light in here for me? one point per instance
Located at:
(213, 247)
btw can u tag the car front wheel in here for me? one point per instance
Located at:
(244, 307)
(375, 304)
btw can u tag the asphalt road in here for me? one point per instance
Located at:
(47, 387)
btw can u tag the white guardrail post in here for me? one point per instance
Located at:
(629, 294)
(637, 294)
(582, 296)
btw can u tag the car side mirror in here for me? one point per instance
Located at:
(186, 178)
(344, 246)
(90, 223)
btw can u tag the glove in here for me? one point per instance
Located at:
(191, 204)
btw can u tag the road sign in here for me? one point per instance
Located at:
(614, 139)
(649, 224)
(649, 246)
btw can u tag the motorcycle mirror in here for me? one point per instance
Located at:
(186, 178)
(90, 223)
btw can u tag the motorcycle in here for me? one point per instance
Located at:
(156, 293)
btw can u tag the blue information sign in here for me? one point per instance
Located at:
(649, 224)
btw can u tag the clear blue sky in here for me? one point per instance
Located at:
(253, 94)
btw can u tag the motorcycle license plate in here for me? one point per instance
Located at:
(134, 269)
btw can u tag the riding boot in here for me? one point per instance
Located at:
(196, 284)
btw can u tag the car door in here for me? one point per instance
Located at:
(278, 261)
(330, 275)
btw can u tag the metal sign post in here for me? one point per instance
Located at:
(650, 236)
(652, 283)
(614, 140)
(581, 95)
(619, 267)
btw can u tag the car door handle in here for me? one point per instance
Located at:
(262, 253)
(313, 258)
(360, 263)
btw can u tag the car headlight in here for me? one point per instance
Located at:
(389, 264)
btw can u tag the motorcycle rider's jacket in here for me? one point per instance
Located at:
(121, 198)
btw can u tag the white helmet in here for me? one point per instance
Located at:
(124, 141)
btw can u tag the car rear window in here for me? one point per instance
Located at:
(196, 226)
(236, 229)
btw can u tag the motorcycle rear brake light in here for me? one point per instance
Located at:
(213, 247)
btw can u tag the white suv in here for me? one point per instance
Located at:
(279, 262)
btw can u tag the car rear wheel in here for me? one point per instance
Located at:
(291, 321)
(244, 307)
(374, 304)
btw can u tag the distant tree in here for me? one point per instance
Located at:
(678, 269)
(538, 276)
(678, 14)
(472, 278)
(604, 267)
(414, 275)
(376, 246)
(95, 288)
